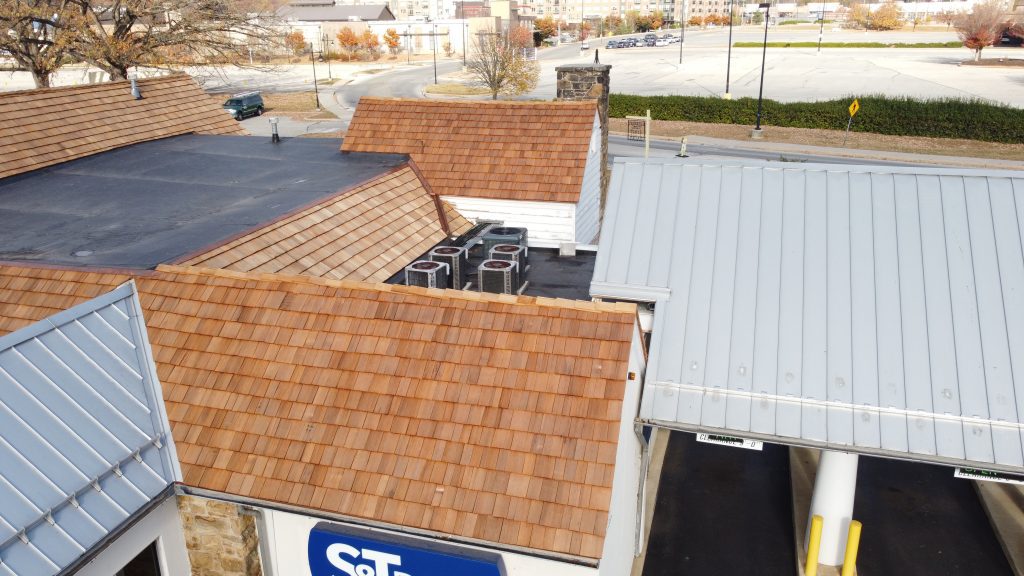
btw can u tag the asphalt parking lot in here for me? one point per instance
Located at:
(799, 74)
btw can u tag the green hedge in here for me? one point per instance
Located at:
(952, 44)
(940, 118)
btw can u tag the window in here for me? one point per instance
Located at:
(145, 564)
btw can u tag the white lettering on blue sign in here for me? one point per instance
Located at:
(382, 561)
(338, 550)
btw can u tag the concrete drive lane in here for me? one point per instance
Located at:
(721, 510)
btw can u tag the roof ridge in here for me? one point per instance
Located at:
(558, 303)
(89, 87)
(591, 103)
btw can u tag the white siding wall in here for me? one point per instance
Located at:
(288, 537)
(589, 207)
(163, 525)
(548, 223)
(620, 540)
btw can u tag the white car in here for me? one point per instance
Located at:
(661, 42)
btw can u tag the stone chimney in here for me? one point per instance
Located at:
(589, 82)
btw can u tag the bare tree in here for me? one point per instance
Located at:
(500, 65)
(38, 34)
(981, 26)
(121, 34)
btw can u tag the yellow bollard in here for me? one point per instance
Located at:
(852, 544)
(813, 544)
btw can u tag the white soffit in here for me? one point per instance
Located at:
(869, 309)
(84, 438)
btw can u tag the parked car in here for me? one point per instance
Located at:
(650, 41)
(612, 44)
(632, 42)
(244, 105)
(661, 42)
(650, 37)
(585, 45)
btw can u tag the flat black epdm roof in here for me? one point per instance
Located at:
(152, 203)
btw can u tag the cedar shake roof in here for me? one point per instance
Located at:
(368, 233)
(480, 416)
(53, 125)
(505, 150)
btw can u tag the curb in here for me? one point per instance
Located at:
(1004, 506)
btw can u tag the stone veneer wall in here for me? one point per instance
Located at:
(221, 539)
(589, 82)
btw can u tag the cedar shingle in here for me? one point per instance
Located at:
(370, 232)
(360, 418)
(53, 125)
(533, 151)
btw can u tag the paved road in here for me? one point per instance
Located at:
(791, 74)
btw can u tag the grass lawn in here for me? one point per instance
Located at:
(455, 89)
(300, 105)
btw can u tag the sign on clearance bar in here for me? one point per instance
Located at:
(988, 476)
(729, 441)
(339, 550)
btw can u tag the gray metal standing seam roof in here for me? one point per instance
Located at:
(868, 309)
(84, 437)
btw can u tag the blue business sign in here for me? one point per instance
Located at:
(336, 550)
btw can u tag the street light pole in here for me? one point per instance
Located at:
(433, 40)
(682, 28)
(821, 30)
(316, 91)
(764, 52)
(728, 61)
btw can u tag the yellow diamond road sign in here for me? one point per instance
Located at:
(854, 107)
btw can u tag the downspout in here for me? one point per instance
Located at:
(645, 462)
(263, 537)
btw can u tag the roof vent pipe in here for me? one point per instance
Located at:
(274, 136)
(135, 88)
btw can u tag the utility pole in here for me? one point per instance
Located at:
(433, 39)
(465, 22)
(325, 50)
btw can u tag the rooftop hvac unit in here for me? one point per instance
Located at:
(457, 261)
(427, 274)
(499, 276)
(503, 235)
(513, 252)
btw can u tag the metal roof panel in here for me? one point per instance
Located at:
(84, 438)
(875, 309)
